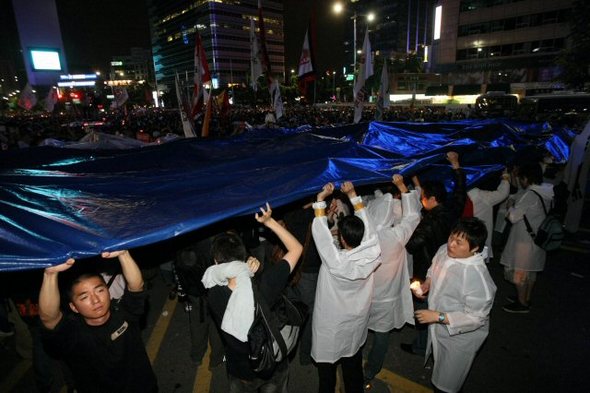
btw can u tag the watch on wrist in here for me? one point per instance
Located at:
(441, 317)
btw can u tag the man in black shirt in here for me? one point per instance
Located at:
(229, 248)
(439, 216)
(101, 344)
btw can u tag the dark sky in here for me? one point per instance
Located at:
(94, 31)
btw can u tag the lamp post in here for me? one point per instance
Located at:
(338, 8)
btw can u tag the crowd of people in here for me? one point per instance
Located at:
(19, 130)
(367, 260)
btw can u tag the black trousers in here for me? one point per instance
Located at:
(352, 374)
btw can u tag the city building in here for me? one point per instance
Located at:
(224, 26)
(132, 68)
(397, 28)
(500, 45)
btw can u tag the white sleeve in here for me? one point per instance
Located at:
(362, 214)
(492, 198)
(410, 218)
(324, 241)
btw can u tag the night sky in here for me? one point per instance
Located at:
(94, 31)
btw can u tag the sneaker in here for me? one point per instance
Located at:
(516, 308)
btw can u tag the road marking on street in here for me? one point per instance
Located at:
(399, 384)
(155, 341)
(576, 249)
(203, 377)
(15, 375)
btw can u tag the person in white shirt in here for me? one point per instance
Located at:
(391, 306)
(483, 206)
(522, 258)
(460, 294)
(344, 292)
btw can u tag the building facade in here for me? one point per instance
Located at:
(399, 27)
(134, 67)
(224, 26)
(508, 45)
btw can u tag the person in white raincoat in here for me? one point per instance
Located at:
(461, 295)
(344, 292)
(392, 306)
(521, 257)
(483, 206)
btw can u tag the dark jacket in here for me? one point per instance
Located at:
(435, 227)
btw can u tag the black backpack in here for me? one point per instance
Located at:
(190, 265)
(550, 234)
(274, 332)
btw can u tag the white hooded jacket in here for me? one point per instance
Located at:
(344, 291)
(463, 289)
(392, 305)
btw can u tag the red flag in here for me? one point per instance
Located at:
(202, 75)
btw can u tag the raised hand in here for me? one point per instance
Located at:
(327, 190)
(348, 189)
(453, 158)
(60, 268)
(113, 254)
(265, 215)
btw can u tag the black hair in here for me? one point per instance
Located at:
(533, 173)
(474, 230)
(352, 230)
(228, 247)
(436, 189)
(78, 279)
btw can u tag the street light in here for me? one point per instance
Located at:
(338, 8)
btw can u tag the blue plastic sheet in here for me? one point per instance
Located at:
(58, 202)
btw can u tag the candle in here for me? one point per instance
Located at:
(416, 287)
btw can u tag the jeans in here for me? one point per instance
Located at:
(352, 374)
(276, 384)
(377, 354)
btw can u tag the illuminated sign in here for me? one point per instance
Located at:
(45, 59)
(437, 22)
(116, 63)
(70, 77)
(76, 83)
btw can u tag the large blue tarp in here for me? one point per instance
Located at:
(59, 202)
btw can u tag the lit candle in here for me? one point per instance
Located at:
(416, 287)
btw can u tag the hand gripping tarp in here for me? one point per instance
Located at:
(57, 202)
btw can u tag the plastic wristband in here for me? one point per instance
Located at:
(357, 203)
(320, 212)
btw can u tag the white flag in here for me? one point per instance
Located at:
(187, 128)
(27, 99)
(275, 95)
(305, 63)
(255, 65)
(121, 96)
(51, 100)
(365, 71)
(383, 95)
